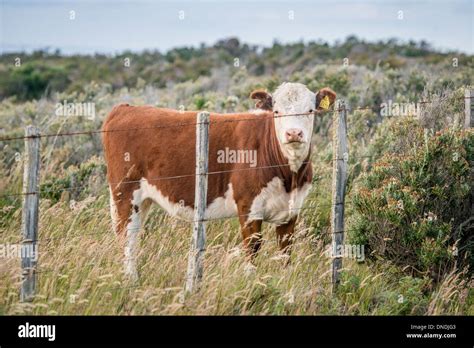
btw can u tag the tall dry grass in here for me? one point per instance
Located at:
(80, 272)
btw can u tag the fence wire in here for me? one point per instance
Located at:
(44, 241)
(271, 115)
(119, 183)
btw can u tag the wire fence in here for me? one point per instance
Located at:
(181, 124)
(262, 117)
(271, 115)
(77, 187)
(75, 235)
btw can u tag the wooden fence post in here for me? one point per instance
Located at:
(339, 179)
(29, 222)
(469, 108)
(198, 242)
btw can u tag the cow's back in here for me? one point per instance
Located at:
(159, 145)
(142, 140)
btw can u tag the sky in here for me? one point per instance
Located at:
(108, 26)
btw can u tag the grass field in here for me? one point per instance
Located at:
(80, 259)
(81, 273)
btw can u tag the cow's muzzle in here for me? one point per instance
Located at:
(294, 135)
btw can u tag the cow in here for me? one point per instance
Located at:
(150, 157)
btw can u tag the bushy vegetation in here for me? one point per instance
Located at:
(44, 72)
(415, 206)
(409, 200)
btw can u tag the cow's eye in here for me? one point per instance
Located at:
(276, 111)
(310, 110)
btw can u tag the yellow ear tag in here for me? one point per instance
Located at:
(324, 103)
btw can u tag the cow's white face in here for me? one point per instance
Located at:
(293, 132)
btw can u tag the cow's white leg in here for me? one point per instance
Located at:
(113, 212)
(140, 205)
(133, 228)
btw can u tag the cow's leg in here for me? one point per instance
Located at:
(114, 213)
(250, 227)
(285, 234)
(126, 209)
(131, 246)
(251, 235)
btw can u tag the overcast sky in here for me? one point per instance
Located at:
(108, 26)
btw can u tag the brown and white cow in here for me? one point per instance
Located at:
(143, 148)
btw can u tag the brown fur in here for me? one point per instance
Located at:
(162, 152)
(264, 99)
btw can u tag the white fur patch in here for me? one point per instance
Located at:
(113, 211)
(221, 207)
(174, 209)
(275, 205)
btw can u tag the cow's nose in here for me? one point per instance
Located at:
(294, 135)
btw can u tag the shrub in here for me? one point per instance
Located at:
(416, 204)
(77, 183)
(31, 81)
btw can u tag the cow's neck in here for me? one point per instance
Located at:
(273, 154)
(295, 158)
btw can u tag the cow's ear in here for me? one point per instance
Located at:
(264, 99)
(325, 98)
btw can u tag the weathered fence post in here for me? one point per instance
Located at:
(198, 242)
(469, 108)
(29, 223)
(339, 178)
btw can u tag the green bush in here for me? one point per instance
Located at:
(416, 204)
(76, 183)
(33, 80)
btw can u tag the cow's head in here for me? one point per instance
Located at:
(295, 130)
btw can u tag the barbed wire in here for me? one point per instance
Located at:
(72, 188)
(289, 211)
(256, 118)
(77, 187)
(258, 217)
(175, 125)
(42, 269)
